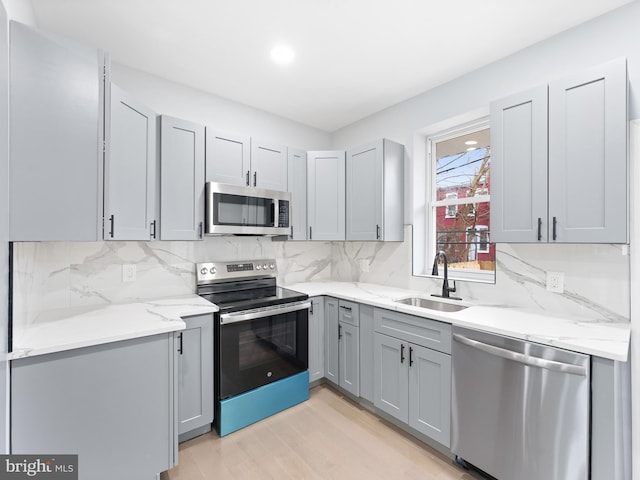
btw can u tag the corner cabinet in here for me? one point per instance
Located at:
(374, 192)
(181, 179)
(331, 352)
(56, 110)
(577, 192)
(412, 365)
(195, 377)
(326, 195)
(316, 339)
(130, 169)
(297, 186)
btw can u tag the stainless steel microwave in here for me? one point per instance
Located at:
(240, 210)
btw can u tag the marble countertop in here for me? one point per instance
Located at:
(607, 339)
(66, 329)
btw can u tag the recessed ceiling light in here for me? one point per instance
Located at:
(282, 54)
(470, 142)
(470, 149)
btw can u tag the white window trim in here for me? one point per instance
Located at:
(430, 182)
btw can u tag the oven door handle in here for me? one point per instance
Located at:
(245, 315)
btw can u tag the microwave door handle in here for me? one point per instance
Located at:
(245, 315)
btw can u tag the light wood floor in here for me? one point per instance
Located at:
(327, 437)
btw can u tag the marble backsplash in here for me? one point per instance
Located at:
(50, 275)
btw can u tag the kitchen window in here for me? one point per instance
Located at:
(458, 171)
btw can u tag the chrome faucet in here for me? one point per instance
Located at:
(446, 289)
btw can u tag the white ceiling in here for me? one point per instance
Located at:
(353, 57)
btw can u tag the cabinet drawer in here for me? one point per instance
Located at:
(349, 312)
(421, 331)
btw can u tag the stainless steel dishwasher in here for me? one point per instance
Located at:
(520, 410)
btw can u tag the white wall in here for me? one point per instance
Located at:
(173, 99)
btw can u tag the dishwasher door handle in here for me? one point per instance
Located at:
(521, 357)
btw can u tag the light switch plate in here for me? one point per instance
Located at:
(128, 273)
(555, 282)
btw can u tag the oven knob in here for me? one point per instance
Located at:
(272, 266)
(264, 267)
(258, 267)
(269, 374)
(213, 270)
(203, 271)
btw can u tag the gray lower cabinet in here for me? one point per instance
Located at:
(130, 169)
(326, 195)
(349, 347)
(181, 179)
(195, 367)
(111, 404)
(331, 353)
(374, 192)
(559, 160)
(366, 352)
(412, 382)
(316, 339)
(297, 186)
(56, 115)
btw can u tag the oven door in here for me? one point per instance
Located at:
(261, 346)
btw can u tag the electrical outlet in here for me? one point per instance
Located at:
(364, 265)
(555, 282)
(128, 273)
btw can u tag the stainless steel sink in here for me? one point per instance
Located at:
(431, 304)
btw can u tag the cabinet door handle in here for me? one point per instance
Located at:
(377, 232)
(310, 234)
(555, 223)
(180, 345)
(410, 356)
(311, 309)
(200, 230)
(248, 178)
(345, 307)
(153, 229)
(111, 225)
(255, 179)
(539, 229)
(339, 331)
(402, 353)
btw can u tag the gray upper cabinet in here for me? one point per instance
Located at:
(228, 157)
(56, 116)
(195, 365)
(297, 186)
(268, 165)
(588, 168)
(181, 179)
(326, 195)
(374, 192)
(236, 159)
(559, 161)
(519, 167)
(130, 170)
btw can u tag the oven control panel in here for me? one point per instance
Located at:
(216, 271)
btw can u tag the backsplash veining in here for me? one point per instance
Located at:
(51, 275)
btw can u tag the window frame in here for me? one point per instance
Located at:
(431, 203)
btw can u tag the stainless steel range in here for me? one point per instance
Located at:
(261, 341)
